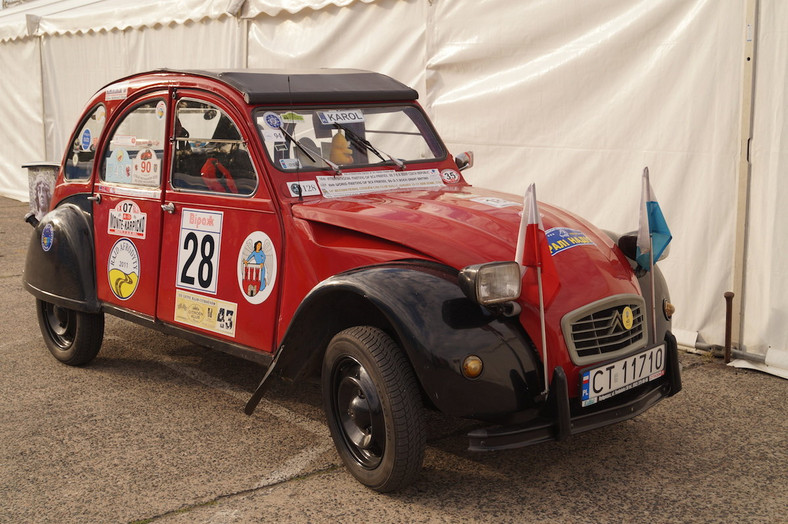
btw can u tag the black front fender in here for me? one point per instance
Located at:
(421, 306)
(59, 267)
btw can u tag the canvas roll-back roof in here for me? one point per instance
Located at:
(262, 86)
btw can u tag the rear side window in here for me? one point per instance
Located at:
(82, 152)
(135, 150)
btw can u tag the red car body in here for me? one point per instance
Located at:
(268, 259)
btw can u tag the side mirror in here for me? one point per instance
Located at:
(628, 244)
(464, 160)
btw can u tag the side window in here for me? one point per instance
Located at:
(137, 145)
(210, 154)
(79, 165)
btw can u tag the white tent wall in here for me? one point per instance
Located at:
(77, 65)
(387, 36)
(766, 282)
(22, 125)
(580, 97)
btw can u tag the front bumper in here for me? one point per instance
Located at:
(561, 424)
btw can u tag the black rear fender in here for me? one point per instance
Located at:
(59, 268)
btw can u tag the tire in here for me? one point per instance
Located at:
(73, 337)
(373, 406)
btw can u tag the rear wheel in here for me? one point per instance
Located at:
(73, 337)
(373, 408)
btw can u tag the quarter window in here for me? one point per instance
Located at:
(79, 164)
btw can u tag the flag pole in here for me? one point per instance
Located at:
(544, 335)
(653, 287)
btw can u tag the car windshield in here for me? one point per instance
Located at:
(346, 137)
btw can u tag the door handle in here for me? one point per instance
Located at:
(95, 198)
(169, 207)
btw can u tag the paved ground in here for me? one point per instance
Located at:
(154, 431)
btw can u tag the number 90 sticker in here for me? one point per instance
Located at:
(199, 246)
(256, 267)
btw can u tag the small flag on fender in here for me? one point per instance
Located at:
(653, 233)
(533, 252)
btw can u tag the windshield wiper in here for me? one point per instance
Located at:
(363, 143)
(309, 152)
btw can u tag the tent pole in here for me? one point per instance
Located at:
(744, 171)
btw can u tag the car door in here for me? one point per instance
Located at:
(127, 207)
(222, 237)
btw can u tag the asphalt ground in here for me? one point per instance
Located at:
(154, 431)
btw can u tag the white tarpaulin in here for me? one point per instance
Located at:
(576, 96)
(766, 282)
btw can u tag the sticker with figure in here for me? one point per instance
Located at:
(256, 267)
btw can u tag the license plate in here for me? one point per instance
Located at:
(610, 379)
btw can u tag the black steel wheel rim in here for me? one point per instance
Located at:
(357, 410)
(60, 324)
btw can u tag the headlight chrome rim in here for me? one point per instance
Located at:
(492, 282)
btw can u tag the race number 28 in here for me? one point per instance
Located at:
(198, 250)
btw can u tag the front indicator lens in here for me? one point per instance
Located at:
(491, 283)
(472, 366)
(668, 309)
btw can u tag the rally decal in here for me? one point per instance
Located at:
(351, 184)
(199, 245)
(495, 202)
(206, 313)
(340, 116)
(47, 236)
(303, 188)
(146, 167)
(256, 267)
(126, 220)
(450, 176)
(563, 238)
(123, 269)
(119, 92)
(161, 110)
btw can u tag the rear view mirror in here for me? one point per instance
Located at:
(464, 160)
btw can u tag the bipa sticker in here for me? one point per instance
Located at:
(123, 269)
(256, 267)
(126, 220)
(340, 116)
(199, 245)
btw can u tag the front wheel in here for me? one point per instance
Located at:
(373, 408)
(73, 337)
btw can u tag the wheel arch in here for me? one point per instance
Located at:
(59, 267)
(421, 307)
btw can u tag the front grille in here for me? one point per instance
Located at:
(598, 331)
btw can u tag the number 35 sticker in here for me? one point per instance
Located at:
(198, 250)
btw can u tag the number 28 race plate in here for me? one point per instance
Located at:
(610, 379)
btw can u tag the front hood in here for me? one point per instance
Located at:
(467, 225)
